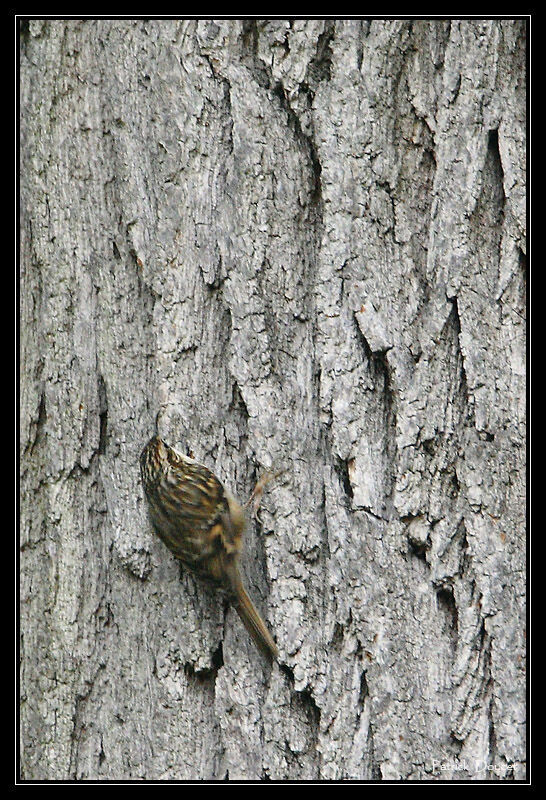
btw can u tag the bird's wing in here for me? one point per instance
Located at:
(200, 497)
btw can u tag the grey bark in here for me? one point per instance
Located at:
(304, 240)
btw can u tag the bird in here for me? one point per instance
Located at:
(202, 524)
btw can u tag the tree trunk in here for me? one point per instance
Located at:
(303, 242)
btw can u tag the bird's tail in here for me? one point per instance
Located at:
(255, 624)
(252, 620)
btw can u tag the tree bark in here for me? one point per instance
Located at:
(304, 242)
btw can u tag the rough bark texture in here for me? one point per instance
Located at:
(304, 240)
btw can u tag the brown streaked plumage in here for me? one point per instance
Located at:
(202, 524)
